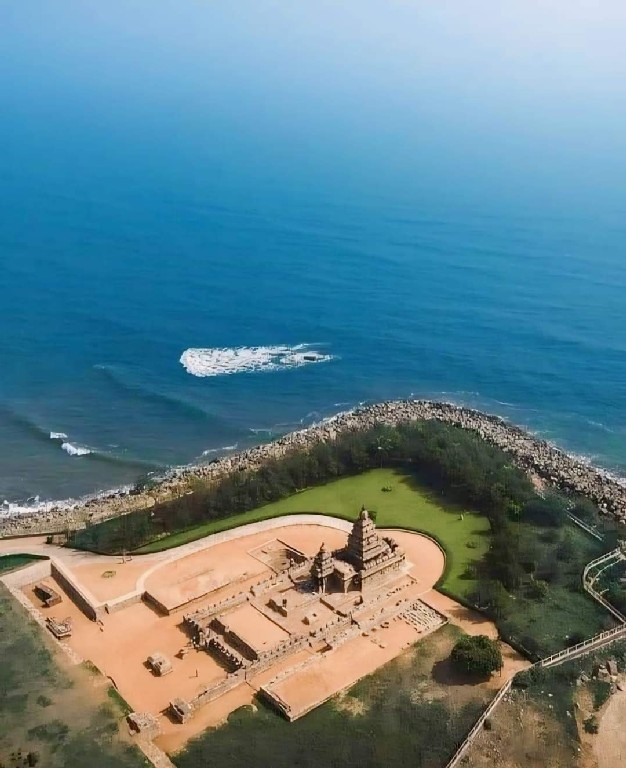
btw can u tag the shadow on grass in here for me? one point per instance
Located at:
(446, 673)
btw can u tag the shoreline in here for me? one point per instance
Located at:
(533, 455)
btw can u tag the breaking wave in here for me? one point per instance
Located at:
(75, 450)
(222, 449)
(220, 361)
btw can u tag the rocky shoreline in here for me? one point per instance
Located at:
(535, 456)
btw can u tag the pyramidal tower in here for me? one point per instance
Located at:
(364, 543)
(323, 568)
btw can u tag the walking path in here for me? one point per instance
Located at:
(64, 557)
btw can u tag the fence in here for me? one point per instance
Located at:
(580, 649)
(585, 527)
(460, 753)
(615, 554)
(574, 651)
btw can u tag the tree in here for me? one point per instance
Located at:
(586, 510)
(479, 655)
(538, 589)
(548, 510)
(566, 551)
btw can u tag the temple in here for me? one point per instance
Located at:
(296, 620)
(365, 561)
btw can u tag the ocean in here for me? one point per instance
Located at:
(213, 232)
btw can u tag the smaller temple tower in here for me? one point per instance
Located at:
(323, 567)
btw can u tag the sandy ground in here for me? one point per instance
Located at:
(231, 562)
(610, 742)
(427, 559)
(255, 629)
(474, 623)
(339, 669)
(110, 579)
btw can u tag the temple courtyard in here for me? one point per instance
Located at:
(293, 611)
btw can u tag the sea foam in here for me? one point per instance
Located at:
(58, 436)
(219, 361)
(222, 449)
(75, 450)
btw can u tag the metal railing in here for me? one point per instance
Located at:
(574, 651)
(617, 555)
(580, 649)
(586, 527)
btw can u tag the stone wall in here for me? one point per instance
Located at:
(29, 574)
(87, 604)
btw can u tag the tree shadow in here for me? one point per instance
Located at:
(418, 481)
(446, 673)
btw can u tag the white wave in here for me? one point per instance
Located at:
(75, 450)
(14, 508)
(219, 361)
(600, 425)
(58, 436)
(209, 451)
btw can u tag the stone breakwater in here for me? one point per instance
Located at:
(536, 457)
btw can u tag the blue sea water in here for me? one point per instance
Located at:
(202, 177)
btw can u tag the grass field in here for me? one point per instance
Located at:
(61, 714)
(408, 505)
(548, 625)
(12, 562)
(410, 712)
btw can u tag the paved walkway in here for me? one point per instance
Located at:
(71, 558)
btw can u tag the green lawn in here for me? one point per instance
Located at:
(407, 505)
(12, 562)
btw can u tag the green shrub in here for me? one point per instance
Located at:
(477, 655)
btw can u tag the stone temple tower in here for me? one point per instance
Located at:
(364, 544)
(323, 567)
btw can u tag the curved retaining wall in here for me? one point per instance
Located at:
(530, 453)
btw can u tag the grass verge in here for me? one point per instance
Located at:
(51, 710)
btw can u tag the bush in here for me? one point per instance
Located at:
(538, 590)
(549, 510)
(591, 724)
(479, 656)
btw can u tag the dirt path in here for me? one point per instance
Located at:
(610, 743)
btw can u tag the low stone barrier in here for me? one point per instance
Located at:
(88, 605)
(122, 602)
(37, 571)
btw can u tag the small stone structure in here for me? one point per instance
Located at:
(48, 595)
(180, 710)
(159, 664)
(60, 629)
(144, 723)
